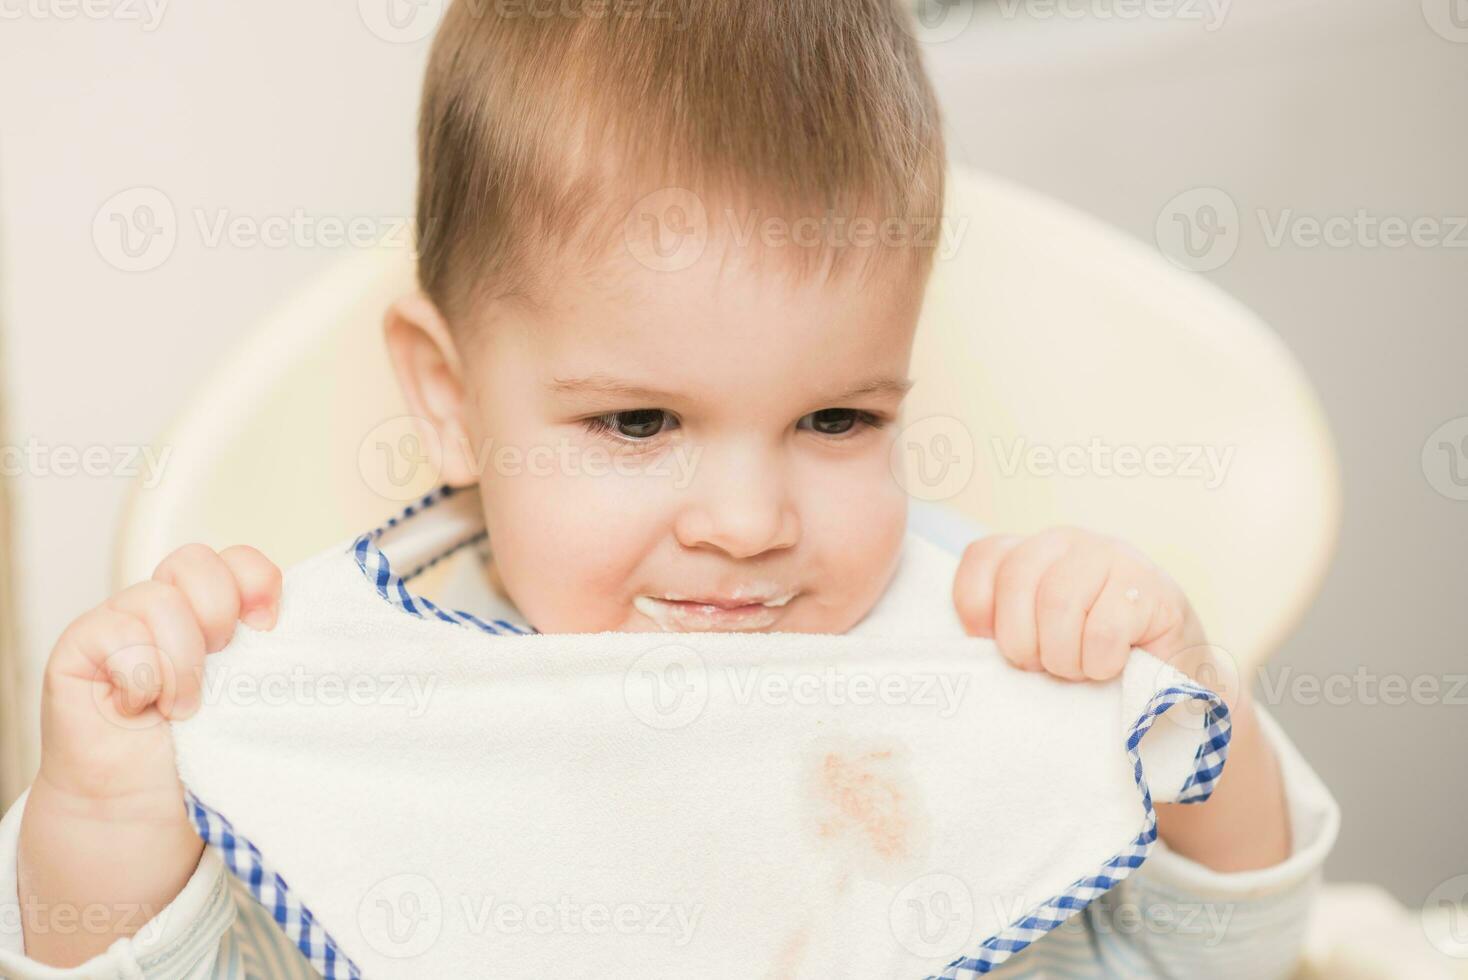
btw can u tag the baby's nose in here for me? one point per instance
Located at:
(739, 517)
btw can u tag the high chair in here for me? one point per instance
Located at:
(1050, 343)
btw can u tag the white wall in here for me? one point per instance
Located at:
(258, 110)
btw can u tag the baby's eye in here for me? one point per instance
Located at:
(838, 421)
(641, 423)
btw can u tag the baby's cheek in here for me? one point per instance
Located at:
(854, 528)
(567, 546)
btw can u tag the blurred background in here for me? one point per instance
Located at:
(1290, 136)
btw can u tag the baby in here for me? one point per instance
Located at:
(648, 232)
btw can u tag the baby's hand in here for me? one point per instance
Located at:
(1072, 603)
(121, 669)
(104, 824)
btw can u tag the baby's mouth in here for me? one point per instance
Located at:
(677, 614)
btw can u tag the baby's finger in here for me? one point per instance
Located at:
(258, 579)
(1117, 619)
(116, 645)
(1015, 585)
(209, 585)
(1065, 595)
(973, 585)
(177, 637)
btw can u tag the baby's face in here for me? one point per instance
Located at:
(705, 449)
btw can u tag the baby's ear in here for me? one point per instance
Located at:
(429, 372)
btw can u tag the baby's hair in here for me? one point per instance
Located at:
(544, 121)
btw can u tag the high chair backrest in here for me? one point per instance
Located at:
(1066, 374)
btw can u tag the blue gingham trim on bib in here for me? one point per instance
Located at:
(269, 889)
(1207, 766)
(375, 566)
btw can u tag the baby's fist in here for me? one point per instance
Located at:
(1071, 602)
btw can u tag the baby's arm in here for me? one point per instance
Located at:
(104, 840)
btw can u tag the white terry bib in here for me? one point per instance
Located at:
(416, 792)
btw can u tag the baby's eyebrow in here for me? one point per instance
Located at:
(602, 384)
(877, 386)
